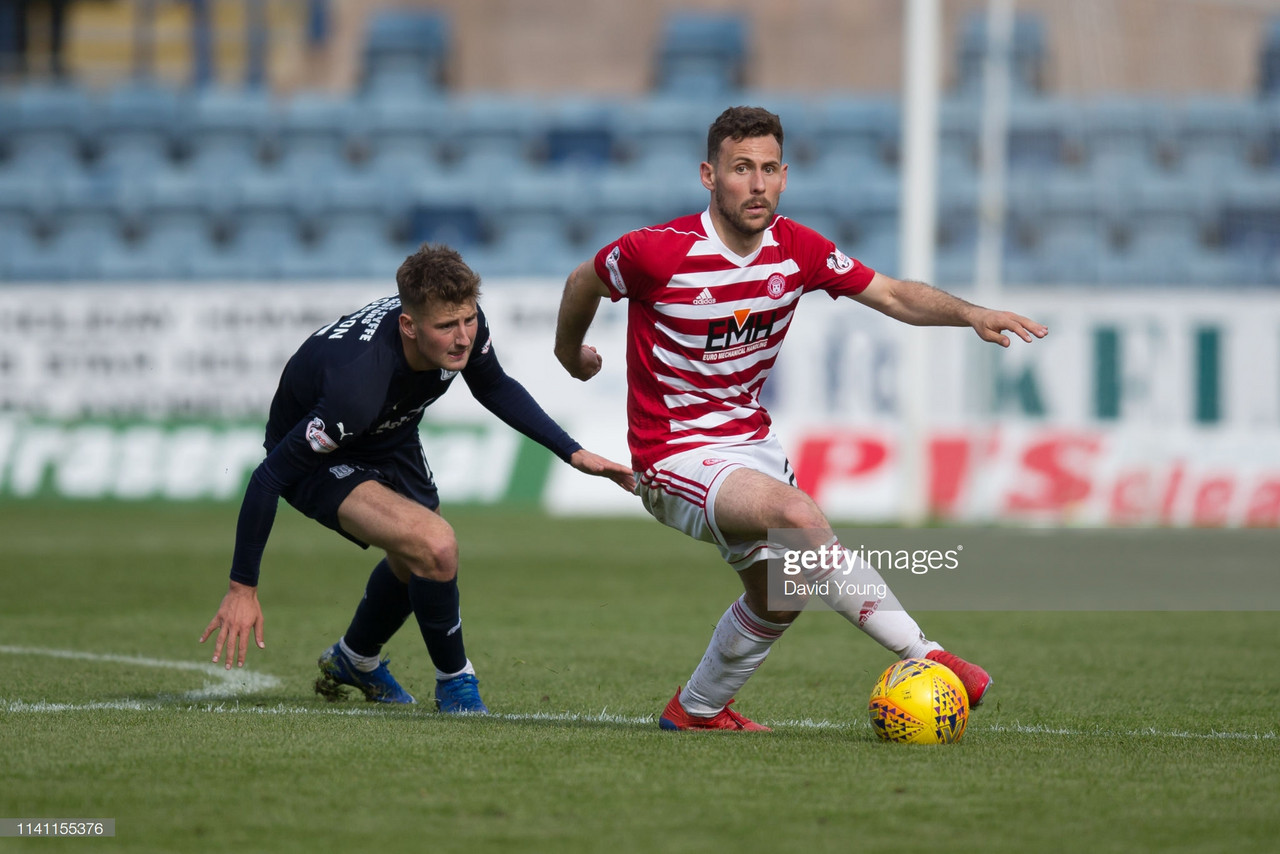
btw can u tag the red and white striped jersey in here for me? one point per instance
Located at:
(704, 325)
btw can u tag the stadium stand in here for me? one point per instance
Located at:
(150, 180)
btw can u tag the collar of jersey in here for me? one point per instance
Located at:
(713, 237)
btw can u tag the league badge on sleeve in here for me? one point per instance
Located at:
(839, 262)
(319, 440)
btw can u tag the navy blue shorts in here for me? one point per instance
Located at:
(404, 471)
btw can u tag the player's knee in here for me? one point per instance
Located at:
(798, 510)
(435, 557)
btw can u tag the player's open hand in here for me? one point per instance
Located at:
(238, 616)
(594, 464)
(990, 326)
(589, 363)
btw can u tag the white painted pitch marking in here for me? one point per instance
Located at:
(226, 684)
(21, 707)
(236, 683)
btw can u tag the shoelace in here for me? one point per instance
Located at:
(734, 716)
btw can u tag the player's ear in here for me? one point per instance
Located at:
(708, 175)
(407, 327)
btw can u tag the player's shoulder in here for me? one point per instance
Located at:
(681, 230)
(789, 232)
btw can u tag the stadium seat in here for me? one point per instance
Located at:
(1218, 137)
(1044, 135)
(533, 215)
(1070, 232)
(230, 131)
(407, 135)
(1269, 61)
(406, 52)
(1027, 55)
(578, 134)
(856, 139)
(665, 137)
(702, 53)
(317, 135)
(51, 128)
(1163, 225)
(1250, 223)
(493, 135)
(1126, 137)
(141, 127)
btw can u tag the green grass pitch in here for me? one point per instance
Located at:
(1104, 731)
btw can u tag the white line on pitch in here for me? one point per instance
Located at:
(228, 684)
(19, 706)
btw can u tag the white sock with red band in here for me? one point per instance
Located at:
(738, 646)
(863, 598)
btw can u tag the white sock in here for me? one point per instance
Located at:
(738, 646)
(863, 598)
(440, 677)
(363, 663)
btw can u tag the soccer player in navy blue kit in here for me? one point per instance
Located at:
(343, 448)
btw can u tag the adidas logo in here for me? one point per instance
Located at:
(704, 298)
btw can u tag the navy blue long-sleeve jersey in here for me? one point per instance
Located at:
(349, 390)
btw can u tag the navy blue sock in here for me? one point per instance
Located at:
(381, 612)
(435, 604)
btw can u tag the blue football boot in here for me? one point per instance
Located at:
(378, 685)
(460, 696)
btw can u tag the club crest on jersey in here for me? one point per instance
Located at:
(776, 286)
(319, 440)
(839, 262)
(742, 333)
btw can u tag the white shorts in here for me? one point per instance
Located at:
(680, 491)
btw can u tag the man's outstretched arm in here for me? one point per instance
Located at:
(922, 305)
(582, 294)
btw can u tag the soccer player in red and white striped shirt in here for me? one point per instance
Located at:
(711, 298)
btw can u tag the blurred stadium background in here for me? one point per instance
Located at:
(189, 187)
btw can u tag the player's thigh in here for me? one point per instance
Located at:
(750, 503)
(400, 526)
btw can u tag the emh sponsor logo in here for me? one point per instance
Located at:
(742, 333)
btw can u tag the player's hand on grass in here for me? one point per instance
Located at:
(589, 363)
(990, 326)
(594, 464)
(237, 617)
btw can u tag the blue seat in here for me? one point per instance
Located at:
(494, 134)
(406, 52)
(702, 53)
(1126, 137)
(1027, 55)
(317, 133)
(230, 131)
(1044, 135)
(579, 133)
(1250, 221)
(407, 135)
(1269, 61)
(50, 128)
(1070, 229)
(141, 128)
(856, 138)
(664, 136)
(1217, 137)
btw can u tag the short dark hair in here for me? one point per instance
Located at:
(435, 274)
(739, 123)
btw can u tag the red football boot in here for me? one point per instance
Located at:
(976, 680)
(675, 717)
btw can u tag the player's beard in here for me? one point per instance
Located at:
(737, 218)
